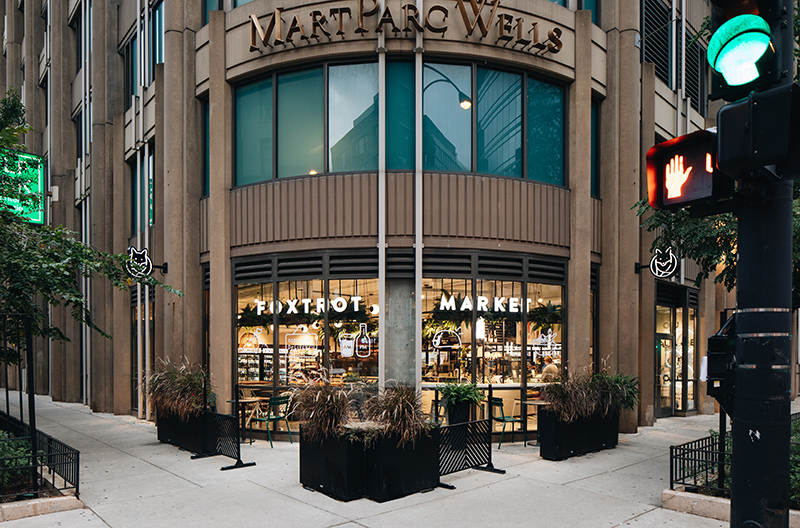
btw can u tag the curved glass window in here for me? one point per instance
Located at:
(254, 132)
(326, 120)
(499, 130)
(446, 118)
(300, 123)
(353, 117)
(545, 132)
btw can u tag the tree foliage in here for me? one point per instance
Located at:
(42, 265)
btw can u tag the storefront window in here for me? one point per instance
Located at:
(498, 331)
(678, 367)
(690, 355)
(545, 132)
(353, 329)
(447, 314)
(353, 117)
(544, 333)
(447, 119)
(400, 120)
(254, 132)
(298, 332)
(300, 123)
(254, 335)
(499, 111)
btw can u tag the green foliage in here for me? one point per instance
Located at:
(455, 393)
(43, 265)
(15, 458)
(583, 395)
(178, 390)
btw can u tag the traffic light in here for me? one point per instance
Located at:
(750, 47)
(683, 172)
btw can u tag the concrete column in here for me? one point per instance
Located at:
(647, 283)
(580, 185)
(620, 189)
(400, 359)
(221, 291)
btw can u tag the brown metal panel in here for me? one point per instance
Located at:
(270, 201)
(322, 213)
(285, 200)
(372, 183)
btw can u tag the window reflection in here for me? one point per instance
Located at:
(545, 132)
(446, 126)
(499, 130)
(544, 332)
(353, 117)
(353, 329)
(300, 123)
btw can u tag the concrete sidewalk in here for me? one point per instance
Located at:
(129, 479)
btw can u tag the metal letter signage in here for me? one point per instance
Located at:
(664, 265)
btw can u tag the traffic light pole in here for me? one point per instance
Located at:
(761, 413)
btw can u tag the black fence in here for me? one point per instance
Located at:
(704, 465)
(464, 446)
(53, 469)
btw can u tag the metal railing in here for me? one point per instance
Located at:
(52, 470)
(704, 465)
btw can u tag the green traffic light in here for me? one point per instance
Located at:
(736, 47)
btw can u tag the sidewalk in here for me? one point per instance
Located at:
(129, 479)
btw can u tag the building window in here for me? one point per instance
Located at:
(206, 138)
(131, 80)
(208, 6)
(545, 132)
(324, 120)
(300, 123)
(237, 3)
(656, 39)
(254, 132)
(446, 118)
(593, 6)
(156, 37)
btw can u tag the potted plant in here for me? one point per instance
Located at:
(405, 456)
(583, 413)
(180, 394)
(393, 453)
(458, 399)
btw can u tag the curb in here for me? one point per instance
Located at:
(29, 508)
(708, 506)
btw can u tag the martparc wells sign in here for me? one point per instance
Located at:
(341, 21)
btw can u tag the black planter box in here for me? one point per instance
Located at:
(459, 413)
(334, 466)
(559, 440)
(393, 472)
(187, 434)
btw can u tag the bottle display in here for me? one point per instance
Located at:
(363, 342)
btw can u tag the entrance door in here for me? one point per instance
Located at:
(665, 381)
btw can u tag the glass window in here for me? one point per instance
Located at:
(595, 147)
(544, 334)
(447, 119)
(690, 359)
(545, 132)
(498, 331)
(254, 333)
(299, 339)
(254, 132)
(156, 37)
(499, 112)
(560, 2)
(353, 329)
(237, 3)
(400, 122)
(300, 123)
(353, 117)
(592, 6)
(131, 71)
(208, 6)
(206, 147)
(447, 313)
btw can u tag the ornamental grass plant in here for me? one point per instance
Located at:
(178, 389)
(324, 409)
(398, 408)
(583, 395)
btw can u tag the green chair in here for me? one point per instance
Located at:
(277, 410)
(498, 402)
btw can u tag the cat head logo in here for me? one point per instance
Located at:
(664, 265)
(139, 264)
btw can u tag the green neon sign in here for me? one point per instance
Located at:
(737, 46)
(27, 170)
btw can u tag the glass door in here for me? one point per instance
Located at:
(666, 375)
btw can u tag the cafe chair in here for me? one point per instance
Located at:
(497, 403)
(277, 410)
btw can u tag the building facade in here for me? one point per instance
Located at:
(394, 190)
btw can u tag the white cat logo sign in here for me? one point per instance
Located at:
(664, 265)
(139, 264)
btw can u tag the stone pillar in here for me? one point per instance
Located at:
(647, 283)
(399, 349)
(220, 124)
(620, 189)
(578, 323)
